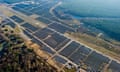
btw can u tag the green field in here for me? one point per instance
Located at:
(110, 27)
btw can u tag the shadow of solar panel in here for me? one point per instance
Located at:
(114, 66)
(69, 49)
(48, 50)
(42, 34)
(30, 27)
(60, 60)
(60, 28)
(17, 19)
(96, 61)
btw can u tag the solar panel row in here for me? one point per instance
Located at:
(60, 28)
(17, 19)
(30, 27)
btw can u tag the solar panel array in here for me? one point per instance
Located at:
(52, 40)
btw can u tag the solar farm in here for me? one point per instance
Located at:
(52, 39)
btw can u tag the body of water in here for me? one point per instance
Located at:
(93, 8)
(97, 9)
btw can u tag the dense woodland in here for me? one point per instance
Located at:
(16, 57)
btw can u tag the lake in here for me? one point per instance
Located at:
(93, 8)
(108, 9)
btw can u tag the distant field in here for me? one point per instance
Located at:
(110, 27)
